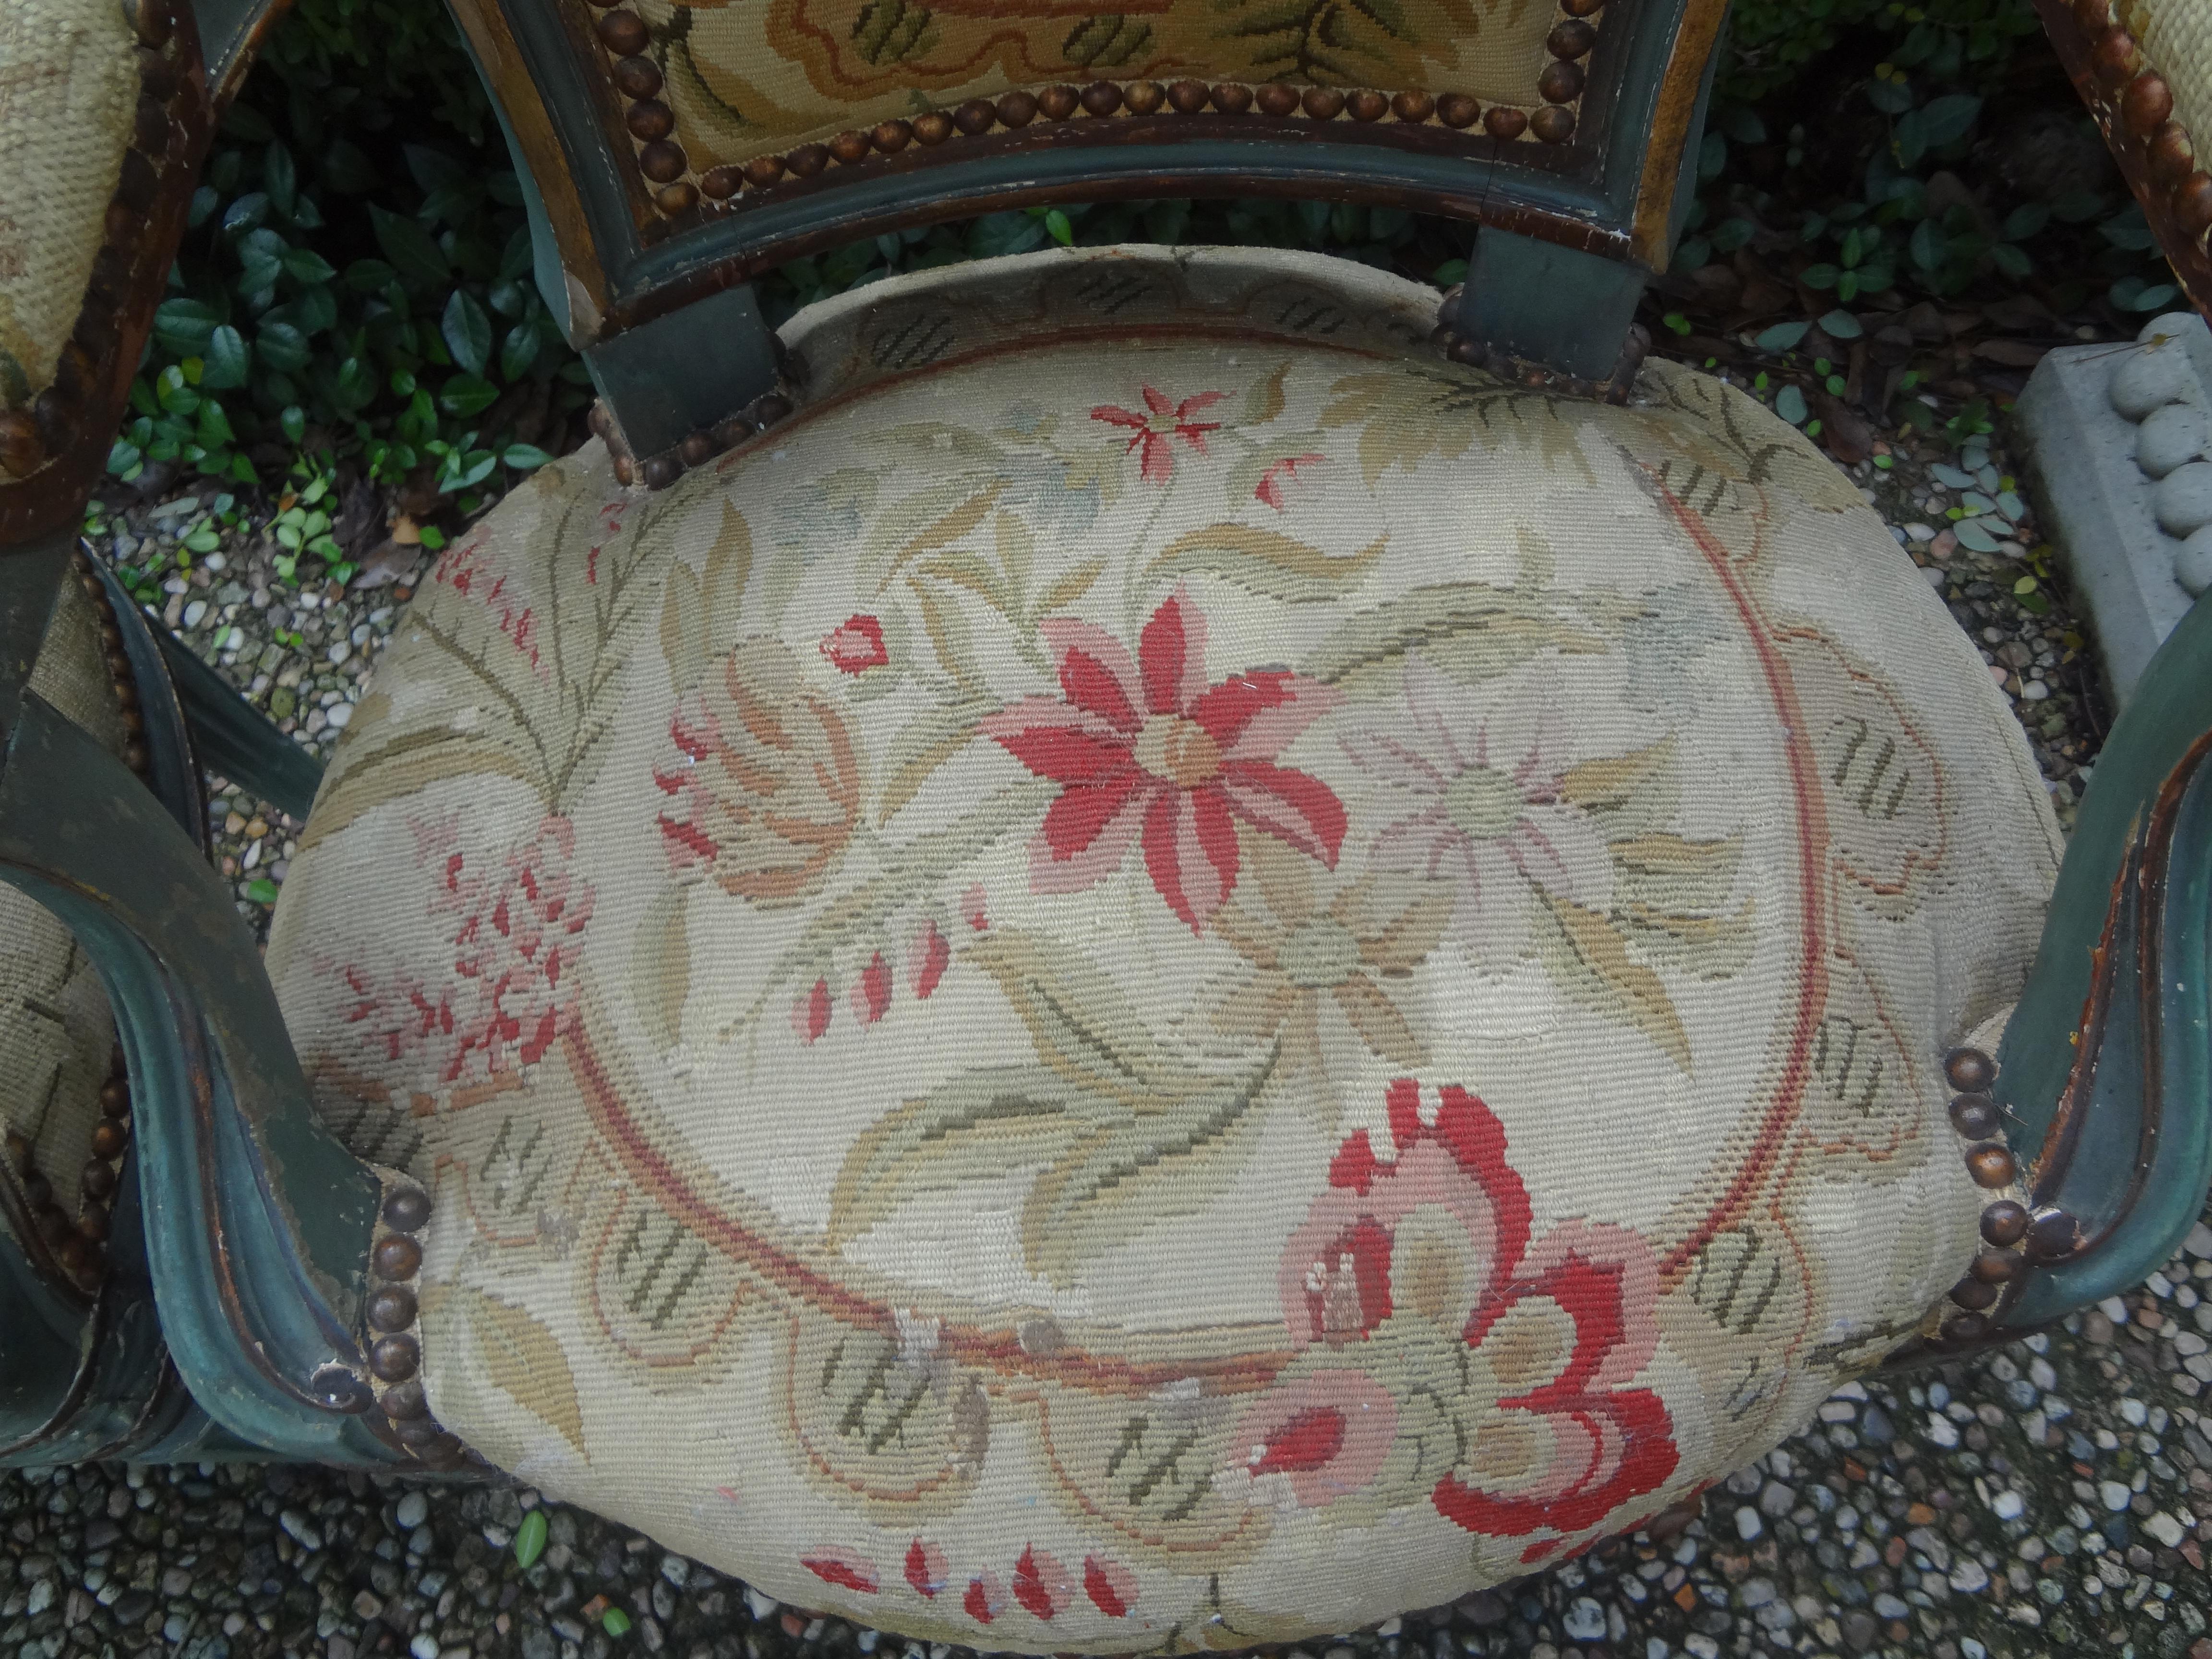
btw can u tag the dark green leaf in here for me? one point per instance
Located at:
(524, 457)
(519, 352)
(280, 177)
(467, 332)
(183, 326)
(467, 395)
(284, 346)
(417, 259)
(305, 265)
(1949, 118)
(245, 214)
(1790, 404)
(1841, 325)
(1783, 337)
(294, 421)
(227, 360)
(1730, 234)
(1820, 276)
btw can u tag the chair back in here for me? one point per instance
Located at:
(679, 149)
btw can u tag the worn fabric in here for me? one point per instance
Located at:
(2177, 41)
(1167, 974)
(57, 1037)
(69, 84)
(747, 81)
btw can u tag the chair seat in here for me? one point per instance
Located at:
(1165, 943)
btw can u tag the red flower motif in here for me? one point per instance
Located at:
(843, 1569)
(1270, 487)
(810, 1010)
(1149, 746)
(925, 1568)
(856, 646)
(1164, 421)
(518, 938)
(1111, 1587)
(1040, 1584)
(1555, 1329)
(872, 992)
(926, 961)
(985, 1596)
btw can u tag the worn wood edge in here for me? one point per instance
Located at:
(52, 499)
(2191, 263)
(499, 55)
(1668, 151)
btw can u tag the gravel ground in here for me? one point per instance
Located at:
(2041, 1499)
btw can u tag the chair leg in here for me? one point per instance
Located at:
(681, 373)
(257, 1223)
(1567, 310)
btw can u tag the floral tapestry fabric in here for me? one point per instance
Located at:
(1168, 976)
(758, 79)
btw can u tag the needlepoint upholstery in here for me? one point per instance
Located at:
(56, 1037)
(69, 84)
(748, 80)
(1170, 974)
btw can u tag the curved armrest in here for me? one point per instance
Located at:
(257, 1222)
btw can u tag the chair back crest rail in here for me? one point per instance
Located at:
(677, 151)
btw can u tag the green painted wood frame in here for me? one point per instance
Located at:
(1574, 230)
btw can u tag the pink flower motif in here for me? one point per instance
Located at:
(986, 1597)
(1554, 1329)
(872, 992)
(1042, 1585)
(1270, 487)
(1147, 746)
(843, 1569)
(971, 908)
(856, 646)
(926, 961)
(1111, 1587)
(516, 943)
(926, 1568)
(1491, 819)
(810, 1010)
(1164, 421)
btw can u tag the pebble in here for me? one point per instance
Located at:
(412, 1511)
(1584, 1621)
(1748, 1526)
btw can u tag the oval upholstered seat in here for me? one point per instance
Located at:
(1169, 973)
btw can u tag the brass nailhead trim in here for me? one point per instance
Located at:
(392, 1313)
(662, 161)
(2009, 1228)
(1479, 354)
(697, 448)
(2138, 101)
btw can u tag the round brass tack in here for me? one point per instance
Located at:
(1999, 1267)
(625, 471)
(1975, 1116)
(1970, 1070)
(720, 184)
(415, 1430)
(340, 1390)
(733, 429)
(21, 451)
(636, 78)
(1322, 103)
(1059, 102)
(1413, 105)
(889, 138)
(404, 1401)
(649, 118)
(19, 1152)
(2094, 16)
(697, 448)
(1231, 98)
(134, 757)
(1581, 7)
(71, 1252)
(151, 21)
(1975, 1293)
(1571, 38)
(1504, 122)
(676, 200)
(851, 147)
(1966, 1328)
(2052, 1235)
(406, 1209)
(806, 161)
(2116, 58)
(395, 1358)
(663, 161)
(157, 76)
(1991, 1165)
(108, 1138)
(2192, 204)
(93, 1225)
(1016, 109)
(763, 170)
(1553, 124)
(659, 472)
(2005, 1222)
(1560, 83)
(932, 127)
(1101, 98)
(1144, 97)
(1277, 98)
(115, 1098)
(1186, 97)
(623, 32)
(396, 1256)
(2146, 104)
(2172, 156)
(767, 408)
(390, 1308)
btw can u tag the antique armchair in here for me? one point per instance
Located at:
(1091, 927)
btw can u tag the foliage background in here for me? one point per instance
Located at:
(353, 301)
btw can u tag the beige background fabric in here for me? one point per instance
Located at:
(1169, 974)
(56, 1035)
(746, 81)
(68, 83)
(2177, 39)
